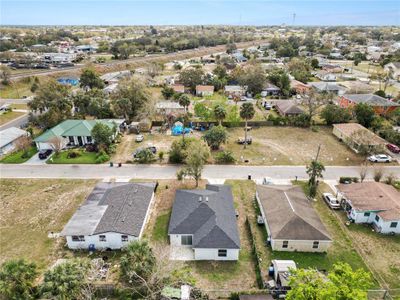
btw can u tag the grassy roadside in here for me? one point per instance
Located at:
(18, 157)
(9, 116)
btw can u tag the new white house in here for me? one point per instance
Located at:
(113, 215)
(74, 132)
(203, 222)
(290, 220)
(374, 203)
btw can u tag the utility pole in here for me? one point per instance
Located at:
(319, 148)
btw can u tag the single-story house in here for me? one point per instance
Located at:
(113, 215)
(373, 203)
(168, 107)
(9, 138)
(334, 68)
(290, 219)
(328, 87)
(204, 222)
(115, 77)
(287, 108)
(357, 87)
(74, 132)
(234, 90)
(270, 90)
(394, 68)
(238, 57)
(379, 104)
(357, 136)
(178, 88)
(299, 87)
(204, 90)
(325, 75)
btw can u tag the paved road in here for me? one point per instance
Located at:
(169, 171)
(18, 122)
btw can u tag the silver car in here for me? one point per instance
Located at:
(380, 158)
(331, 200)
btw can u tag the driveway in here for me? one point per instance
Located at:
(35, 160)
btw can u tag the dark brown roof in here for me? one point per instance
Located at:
(289, 214)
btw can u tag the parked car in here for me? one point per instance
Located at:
(331, 200)
(153, 149)
(139, 138)
(267, 106)
(393, 148)
(241, 141)
(380, 158)
(43, 154)
(260, 220)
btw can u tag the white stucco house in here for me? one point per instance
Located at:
(374, 203)
(113, 215)
(290, 220)
(74, 133)
(9, 137)
(203, 222)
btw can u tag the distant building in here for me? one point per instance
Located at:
(178, 88)
(287, 108)
(270, 90)
(328, 87)
(394, 68)
(168, 107)
(299, 87)
(379, 104)
(113, 215)
(9, 138)
(204, 90)
(234, 90)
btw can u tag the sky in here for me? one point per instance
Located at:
(192, 12)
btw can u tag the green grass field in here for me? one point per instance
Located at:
(84, 158)
(9, 116)
(17, 157)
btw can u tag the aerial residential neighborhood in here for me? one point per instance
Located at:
(244, 150)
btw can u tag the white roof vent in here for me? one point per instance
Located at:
(200, 199)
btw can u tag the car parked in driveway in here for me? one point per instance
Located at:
(393, 148)
(377, 158)
(43, 154)
(331, 200)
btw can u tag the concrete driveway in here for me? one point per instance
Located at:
(35, 160)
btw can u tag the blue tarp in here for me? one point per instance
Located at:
(68, 81)
(179, 130)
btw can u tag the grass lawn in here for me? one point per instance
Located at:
(16, 157)
(289, 146)
(16, 90)
(30, 209)
(9, 116)
(84, 158)
(19, 106)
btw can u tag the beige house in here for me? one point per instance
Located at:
(204, 90)
(358, 138)
(291, 222)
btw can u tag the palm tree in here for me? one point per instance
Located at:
(220, 113)
(247, 113)
(314, 170)
(184, 101)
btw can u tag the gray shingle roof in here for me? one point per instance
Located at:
(208, 215)
(112, 207)
(289, 214)
(370, 99)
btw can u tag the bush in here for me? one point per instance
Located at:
(145, 156)
(216, 136)
(102, 157)
(224, 157)
(278, 120)
(177, 153)
(302, 120)
(73, 153)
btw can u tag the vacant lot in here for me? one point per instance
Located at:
(9, 116)
(30, 210)
(290, 146)
(226, 276)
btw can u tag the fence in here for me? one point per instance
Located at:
(254, 251)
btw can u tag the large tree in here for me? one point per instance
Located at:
(5, 74)
(90, 79)
(216, 136)
(103, 134)
(197, 154)
(300, 69)
(17, 279)
(281, 80)
(333, 114)
(314, 171)
(191, 77)
(93, 103)
(184, 101)
(247, 113)
(364, 114)
(66, 280)
(254, 78)
(130, 99)
(220, 113)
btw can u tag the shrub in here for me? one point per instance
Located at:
(216, 136)
(161, 155)
(224, 157)
(301, 120)
(177, 153)
(378, 173)
(73, 153)
(145, 156)
(102, 157)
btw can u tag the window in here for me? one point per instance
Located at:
(124, 238)
(71, 139)
(89, 139)
(315, 244)
(377, 218)
(393, 224)
(186, 240)
(285, 244)
(78, 238)
(102, 238)
(367, 214)
(222, 252)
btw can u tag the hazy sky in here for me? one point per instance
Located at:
(235, 12)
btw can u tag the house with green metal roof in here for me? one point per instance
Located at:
(74, 132)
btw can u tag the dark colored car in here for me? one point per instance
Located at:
(43, 154)
(393, 148)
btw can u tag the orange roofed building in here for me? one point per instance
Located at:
(380, 105)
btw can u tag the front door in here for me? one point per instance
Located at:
(80, 142)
